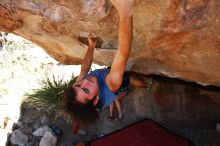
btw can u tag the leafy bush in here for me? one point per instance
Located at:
(48, 97)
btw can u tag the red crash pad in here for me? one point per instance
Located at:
(144, 133)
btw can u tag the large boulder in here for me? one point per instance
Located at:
(175, 38)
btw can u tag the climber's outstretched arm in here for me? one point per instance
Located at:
(87, 60)
(125, 10)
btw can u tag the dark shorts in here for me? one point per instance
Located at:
(125, 83)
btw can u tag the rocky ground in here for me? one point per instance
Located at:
(23, 65)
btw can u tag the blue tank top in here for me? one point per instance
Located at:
(106, 96)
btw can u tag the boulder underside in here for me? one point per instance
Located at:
(175, 38)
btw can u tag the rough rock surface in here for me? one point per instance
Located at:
(19, 138)
(175, 38)
(48, 139)
(41, 131)
(173, 99)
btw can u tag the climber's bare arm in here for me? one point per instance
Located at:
(125, 10)
(87, 60)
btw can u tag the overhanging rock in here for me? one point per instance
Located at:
(175, 38)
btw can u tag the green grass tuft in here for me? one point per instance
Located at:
(48, 97)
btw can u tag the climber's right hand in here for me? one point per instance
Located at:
(124, 7)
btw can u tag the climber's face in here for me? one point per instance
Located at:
(87, 89)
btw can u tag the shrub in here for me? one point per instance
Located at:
(48, 97)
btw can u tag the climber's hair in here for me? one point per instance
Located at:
(82, 113)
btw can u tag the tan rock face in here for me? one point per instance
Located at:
(175, 38)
